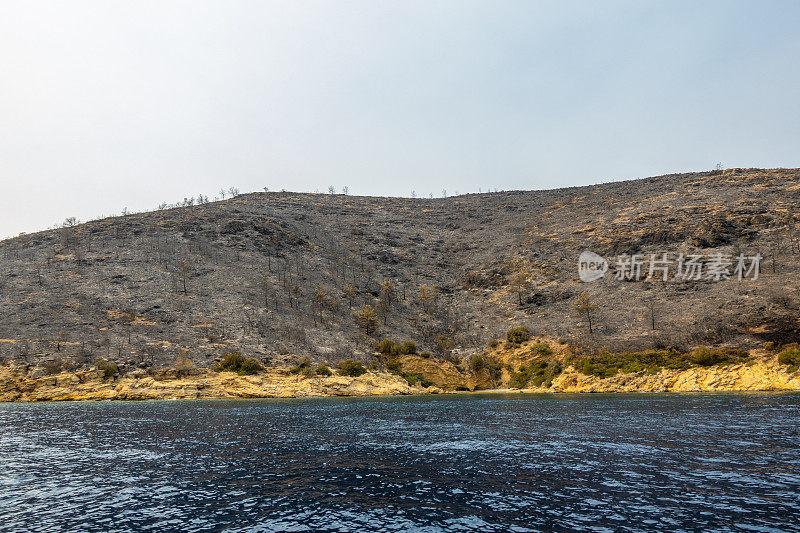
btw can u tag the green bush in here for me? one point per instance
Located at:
(535, 373)
(249, 367)
(389, 347)
(607, 364)
(478, 363)
(230, 363)
(351, 368)
(413, 379)
(236, 362)
(323, 370)
(518, 335)
(519, 380)
(790, 356)
(386, 346)
(425, 355)
(494, 367)
(393, 365)
(491, 364)
(542, 349)
(109, 369)
(705, 357)
(545, 375)
(408, 348)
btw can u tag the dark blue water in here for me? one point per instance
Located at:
(454, 463)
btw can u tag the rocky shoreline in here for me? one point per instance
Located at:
(167, 385)
(21, 384)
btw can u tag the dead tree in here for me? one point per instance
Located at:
(583, 306)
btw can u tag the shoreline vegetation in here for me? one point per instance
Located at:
(518, 364)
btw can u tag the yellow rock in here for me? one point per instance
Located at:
(15, 385)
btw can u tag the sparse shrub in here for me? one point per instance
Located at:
(607, 364)
(545, 375)
(393, 365)
(478, 363)
(109, 369)
(249, 367)
(323, 370)
(386, 346)
(491, 364)
(236, 362)
(707, 357)
(408, 348)
(736, 354)
(537, 373)
(305, 363)
(790, 356)
(351, 368)
(704, 356)
(494, 343)
(769, 346)
(519, 379)
(542, 349)
(230, 363)
(494, 368)
(413, 379)
(389, 347)
(518, 335)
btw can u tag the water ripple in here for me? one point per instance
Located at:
(467, 463)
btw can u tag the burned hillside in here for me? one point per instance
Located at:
(281, 276)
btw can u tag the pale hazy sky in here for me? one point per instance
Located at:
(108, 104)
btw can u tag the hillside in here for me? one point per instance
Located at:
(267, 274)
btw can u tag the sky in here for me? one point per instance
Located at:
(106, 105)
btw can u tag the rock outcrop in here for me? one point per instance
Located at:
(16, 384)
(19, 383)
(760, 375)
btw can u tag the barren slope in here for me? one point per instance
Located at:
(265, 273)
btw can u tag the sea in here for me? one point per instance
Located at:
(464, 462)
